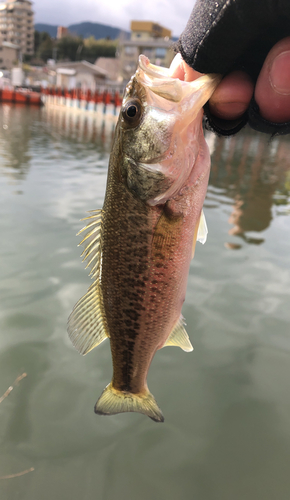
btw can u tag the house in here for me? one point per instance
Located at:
(81, 74)
(111, 65)
(9, 55)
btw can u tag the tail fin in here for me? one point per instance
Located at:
(112, 401)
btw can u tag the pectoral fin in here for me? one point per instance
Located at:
(179, 337)
(200, 233)
(202, 229)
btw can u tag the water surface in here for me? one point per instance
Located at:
(226, 433)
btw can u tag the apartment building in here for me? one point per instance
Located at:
(148, 38)
(17, 24)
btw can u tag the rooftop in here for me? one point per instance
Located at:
(159, 42)
(155, 29)
(68, 67)
(9, 45)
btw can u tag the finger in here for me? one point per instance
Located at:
(232, 96)
(272, 93)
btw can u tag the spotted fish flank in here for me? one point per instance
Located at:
(139, 246)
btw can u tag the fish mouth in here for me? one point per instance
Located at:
(159, 81)
(183, 102)
(151, 69)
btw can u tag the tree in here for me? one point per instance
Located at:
(99, 48)
(43, 45)
(73, 48)
(36, 40)
(69, 47)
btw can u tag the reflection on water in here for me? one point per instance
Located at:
(15, 137)
(81, 126)
(19, 130)
(254, 173)
(226, 435)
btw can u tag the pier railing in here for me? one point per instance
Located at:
(106, 101)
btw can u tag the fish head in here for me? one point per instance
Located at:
(160, 131)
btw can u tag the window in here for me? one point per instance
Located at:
(147, 52)
(160, 52)
(130, 51)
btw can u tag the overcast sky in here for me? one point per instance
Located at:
(172, 14)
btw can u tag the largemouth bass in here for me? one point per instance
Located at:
(139, 246)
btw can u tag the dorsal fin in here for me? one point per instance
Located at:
(86, 324)
(92, 240)
(179, 337)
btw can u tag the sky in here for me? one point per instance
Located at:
(172, 14)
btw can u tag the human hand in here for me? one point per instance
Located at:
(232, 96)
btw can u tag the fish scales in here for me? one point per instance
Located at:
(139, 292)
(140, 245)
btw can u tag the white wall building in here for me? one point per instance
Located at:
(79, 74)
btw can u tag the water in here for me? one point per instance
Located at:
(226, 433)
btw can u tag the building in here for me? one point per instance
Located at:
(9, 55)
(61, 32)
(17, 24)
(148, 38)
(79, 74)
(145, 30)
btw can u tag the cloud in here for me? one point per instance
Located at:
(170, 13)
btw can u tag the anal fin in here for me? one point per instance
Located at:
(179, 337)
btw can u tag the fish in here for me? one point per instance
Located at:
(140, 244)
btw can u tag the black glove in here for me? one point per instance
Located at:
(226, 35)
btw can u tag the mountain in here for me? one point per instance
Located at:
(97, 30)
(85, 29)
(48, 28)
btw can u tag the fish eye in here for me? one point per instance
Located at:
(132, 112)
